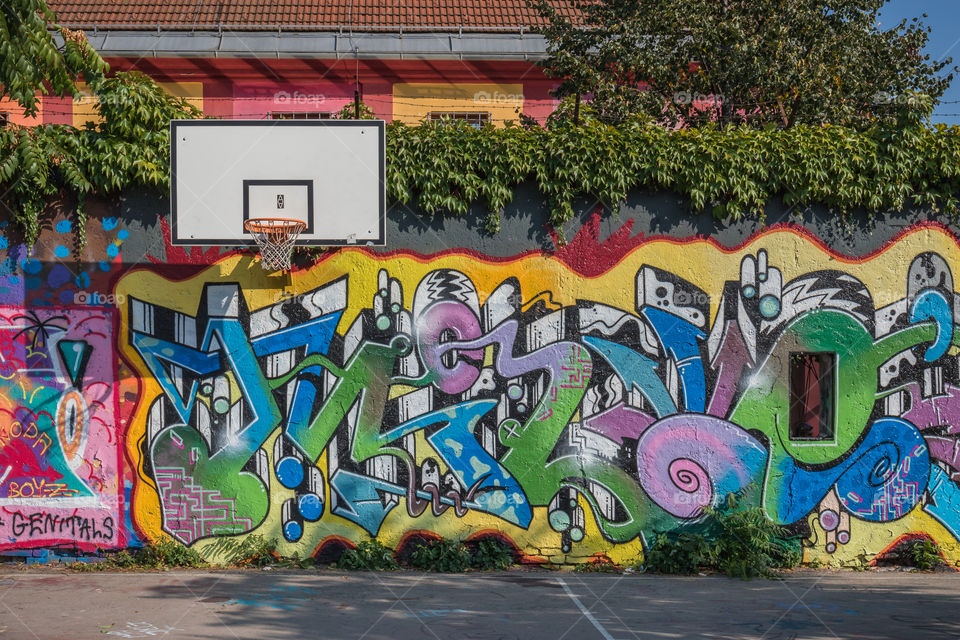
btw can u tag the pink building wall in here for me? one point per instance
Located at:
(252, 88)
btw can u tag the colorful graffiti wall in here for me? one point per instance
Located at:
(60, 466)
(573, 410)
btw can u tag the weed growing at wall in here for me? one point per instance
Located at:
(369, 555)
(491, 554)
(742, 543)
(678, 553)
(448, 556)
(925, 554)
(253, 550)
(165, 554)
(600, 564)
(256, 551)
(296, 562)
(747, 544)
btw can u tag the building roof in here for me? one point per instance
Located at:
(304, 15)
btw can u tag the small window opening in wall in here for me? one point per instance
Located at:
(473, 118)
(812, 396)
(4, 118)
(300, 115)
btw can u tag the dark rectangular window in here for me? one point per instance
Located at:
(812, 396)
(300, 115)
(473, 118)
(4, 118)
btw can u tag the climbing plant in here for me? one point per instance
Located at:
(731, 171)
(127, 146)
(444, 168)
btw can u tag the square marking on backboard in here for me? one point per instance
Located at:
(279, 199)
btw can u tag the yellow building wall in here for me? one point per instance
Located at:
(412, 102)
(85, 110)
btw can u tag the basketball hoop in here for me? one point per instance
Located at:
(275, 237)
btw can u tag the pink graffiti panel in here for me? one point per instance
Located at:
(60, 478)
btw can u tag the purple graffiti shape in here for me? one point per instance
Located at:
(550, 357)
(447, 321)
(933, 411)
(687, 462)
(618, 422)
(946, 450)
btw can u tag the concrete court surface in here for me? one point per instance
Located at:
(41, 604)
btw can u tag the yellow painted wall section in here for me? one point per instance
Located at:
(413, 102)
(84, 105)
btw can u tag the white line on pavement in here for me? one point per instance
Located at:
(586, 612)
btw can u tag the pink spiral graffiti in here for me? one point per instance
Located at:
(691, 490)
(683, 459)
(688, 476)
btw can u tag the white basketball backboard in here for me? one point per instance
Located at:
(328, 173)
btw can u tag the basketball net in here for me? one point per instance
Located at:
(276, 238)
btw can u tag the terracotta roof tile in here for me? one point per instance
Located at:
(489, 15)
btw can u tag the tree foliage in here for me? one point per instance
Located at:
(31, 61)
(129, 146)
(755, 62)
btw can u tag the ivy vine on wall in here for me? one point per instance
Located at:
(729, 170)
(442, 168)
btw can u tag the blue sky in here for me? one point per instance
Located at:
(944, 18)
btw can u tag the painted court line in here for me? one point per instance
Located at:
(586, 612)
